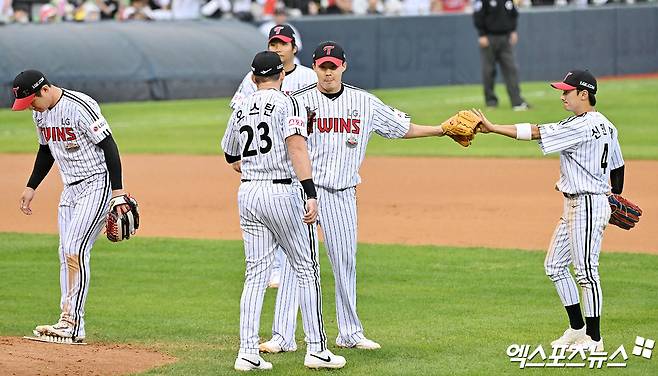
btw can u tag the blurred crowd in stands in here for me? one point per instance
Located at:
(45, 11)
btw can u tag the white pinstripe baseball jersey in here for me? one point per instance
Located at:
(588, 148)
(300, 77)
(342, 129)
(255, 133)
(71, 129)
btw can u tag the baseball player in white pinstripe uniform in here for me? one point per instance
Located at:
(346, 117)
(71, 131)
(591, 166)
(278, 208)
(282, 41)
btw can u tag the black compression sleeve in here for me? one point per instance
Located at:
(112, 160)
(232, 158)
(617, 180)
(42, 164)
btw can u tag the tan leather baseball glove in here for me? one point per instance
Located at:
(462, 127)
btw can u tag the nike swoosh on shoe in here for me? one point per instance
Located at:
(328, 359)
(252, 363)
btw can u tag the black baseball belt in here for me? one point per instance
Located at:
(275, 181)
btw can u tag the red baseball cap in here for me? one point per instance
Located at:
(284, 33)
(26, 85)
(329, 51)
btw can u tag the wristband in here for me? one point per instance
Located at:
(309, 188)
(524, 131)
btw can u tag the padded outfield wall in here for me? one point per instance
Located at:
(114, 61)
(168, 60)
(441, 50)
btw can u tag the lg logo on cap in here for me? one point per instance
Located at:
(278, 29)
(15, 92)
(327, 49)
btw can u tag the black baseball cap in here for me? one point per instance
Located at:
(266, 63)
(329, 51)
(26, 85)
(577, 79)
(284, 33)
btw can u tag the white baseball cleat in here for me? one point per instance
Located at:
(363, 344)
(273, 347)
(250, 362)
(62, 329)
(324, 359)
(569, 337)
(587, 344)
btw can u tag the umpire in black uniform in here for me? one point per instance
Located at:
(495, 21)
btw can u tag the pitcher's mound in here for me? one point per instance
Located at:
(20, 356)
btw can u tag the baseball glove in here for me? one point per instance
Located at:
(624, 213)
(462, 127)
(120, 226)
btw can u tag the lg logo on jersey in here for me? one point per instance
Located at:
(66, 121)
(58, 134)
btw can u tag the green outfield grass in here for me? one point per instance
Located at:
(196, 126)
(435, 310)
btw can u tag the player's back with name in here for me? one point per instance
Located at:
(257, 132)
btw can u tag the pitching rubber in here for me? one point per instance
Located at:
(54, 339)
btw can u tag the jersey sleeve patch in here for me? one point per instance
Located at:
(98, 130)
(296, 125)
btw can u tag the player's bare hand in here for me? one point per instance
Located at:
(513, 38)
(26, 200)
(311, 211)
(483, 41)
(486, 126)
(237, 167)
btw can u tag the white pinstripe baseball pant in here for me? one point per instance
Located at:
(271, 216)
(577, 240)
(338, 219)
(81, 216)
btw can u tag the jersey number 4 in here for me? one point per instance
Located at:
(264, 130)
(604, 158)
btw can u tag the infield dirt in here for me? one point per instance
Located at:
(497, 203)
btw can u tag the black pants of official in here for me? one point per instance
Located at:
(500, 51)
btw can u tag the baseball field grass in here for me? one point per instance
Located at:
(435, 310)
(196, 126)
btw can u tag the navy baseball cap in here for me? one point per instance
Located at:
(577, 79)
(26, 85)
(284, 33)
(329, 51)
(266, 63)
